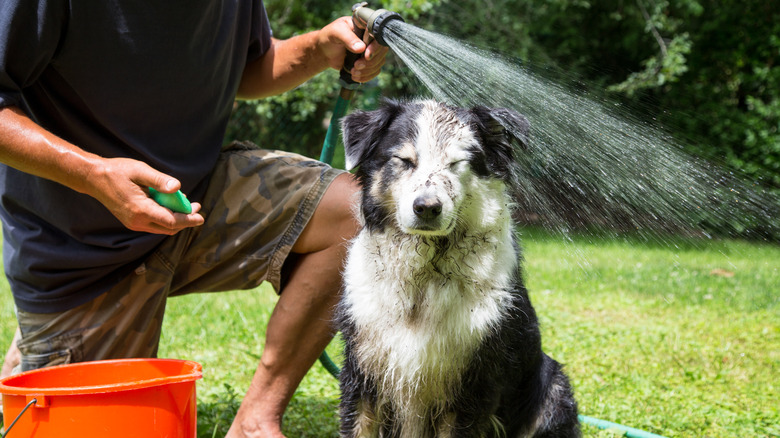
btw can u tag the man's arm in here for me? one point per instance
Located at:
(118, 183)
(289, 63)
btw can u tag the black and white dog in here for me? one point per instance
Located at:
(440, 336)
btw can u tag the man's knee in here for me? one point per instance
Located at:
(334, 221)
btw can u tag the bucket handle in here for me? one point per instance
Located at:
(30, 403)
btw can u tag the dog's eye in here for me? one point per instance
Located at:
(458, 163)
(407, 163)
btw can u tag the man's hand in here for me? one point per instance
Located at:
(119, 184)
(338, 37)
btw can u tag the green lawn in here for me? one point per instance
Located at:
(679, 337)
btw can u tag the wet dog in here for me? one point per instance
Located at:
(440, 336)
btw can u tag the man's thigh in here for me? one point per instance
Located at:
(124, 322)
(258, 204)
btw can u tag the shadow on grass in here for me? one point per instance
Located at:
(216, 413)
(305, 417)
(310, 416)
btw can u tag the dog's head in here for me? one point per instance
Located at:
(420, 162)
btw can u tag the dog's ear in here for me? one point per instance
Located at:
(362, 131)
(503, 132)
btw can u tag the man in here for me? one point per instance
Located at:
(100, 100)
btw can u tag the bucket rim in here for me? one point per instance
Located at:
(192, 371)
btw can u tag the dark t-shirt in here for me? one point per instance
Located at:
(149, 80)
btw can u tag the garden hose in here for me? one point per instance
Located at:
(364, 18)
(348, 87)
(367, 24)
(329, 147)
(628, 431)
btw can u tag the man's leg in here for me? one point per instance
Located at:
(301, 324)
(12, 358)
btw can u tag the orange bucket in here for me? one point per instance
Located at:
(110, 398)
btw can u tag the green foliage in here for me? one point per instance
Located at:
(670, 63)
(216, 415)
(731, 89)
(660, 69)
(411, 10)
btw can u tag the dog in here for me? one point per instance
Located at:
(440, 336)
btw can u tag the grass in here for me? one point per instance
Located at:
(679, 340)
(676, 337)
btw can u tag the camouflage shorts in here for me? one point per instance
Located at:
(257, 204)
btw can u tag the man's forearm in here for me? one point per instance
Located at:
(26, 146)
(287, 64)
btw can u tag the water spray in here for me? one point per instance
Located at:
(368, 25)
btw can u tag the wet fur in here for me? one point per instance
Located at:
(440, 336)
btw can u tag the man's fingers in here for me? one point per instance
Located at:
(163, 183)
(376, 51)
(370, 65)
(347, 36)
(364, 71)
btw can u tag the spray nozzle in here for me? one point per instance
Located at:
(368, 24)
(373, 21)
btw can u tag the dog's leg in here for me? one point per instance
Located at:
(452, 426)
(558, 417)
(358, 402)
(365, 422)
(357, 409)
(472, 412)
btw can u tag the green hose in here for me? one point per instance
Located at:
(331, 137)
(630, 432)
(329, 365)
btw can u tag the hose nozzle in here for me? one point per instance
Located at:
(367, 24)
(373, 21)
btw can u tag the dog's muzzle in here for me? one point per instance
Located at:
(427, 217)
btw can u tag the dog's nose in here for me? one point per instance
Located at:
(427, 207)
